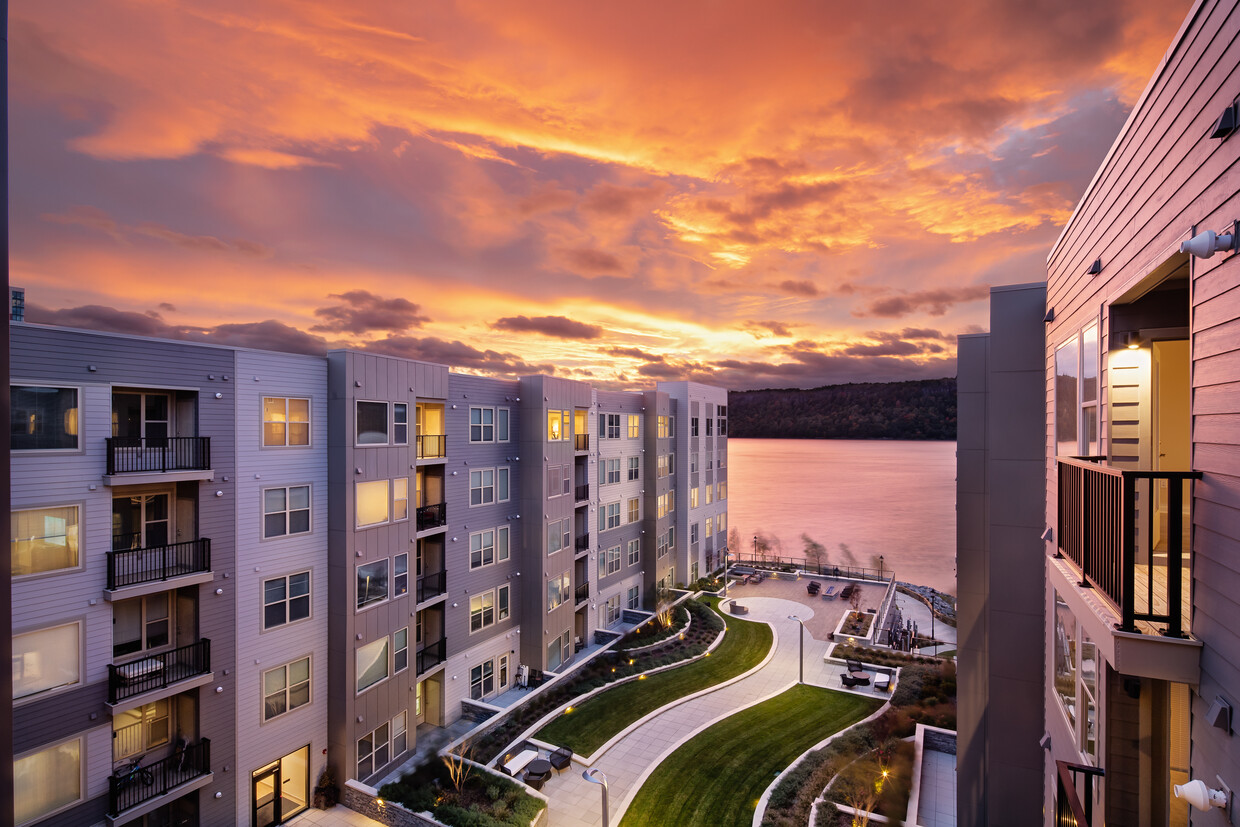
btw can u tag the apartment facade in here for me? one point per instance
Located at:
(240, 567)
(1139, 651)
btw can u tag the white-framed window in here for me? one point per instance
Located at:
(693, 426)
(635, 509)
(723, 491)
(609, 426)
(286, 510)
(710, 494)
(372, 423)
(609, 612)
(1076, 665)
(608, 516)
(400, 650)
(372, 663)
(45, 660)
(47, 781)
(635, 468)
(1076, 394)
(482, 548)
(559, 535)
(141, 624)
(634, 552)
(709, 422)
(140, 730)
(44, 540)
(400, 734)
(400, 574)
(662, 545)
(609, 471)
(661, 466)
(710, 460)
(488, 485)
(502, 667)
(635, 426)
(286, 599)
(709, 527)
(693, 532)
(558, 590)
(559, 425)
(286, 422)
(374, 749)
(373, 503)
(372, 583)
(481, 611)
(482, 680)
(503, 601)
(400, 499)
(609, 561)
(721, 523)
(400, 423)
(285, 688)
(501, 543)
(635, 597)
(44, 418)
(482, 424)
(555, 476)
(693, 497)
(723, 458)
(558, 652)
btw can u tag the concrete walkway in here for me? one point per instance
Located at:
(634, 755)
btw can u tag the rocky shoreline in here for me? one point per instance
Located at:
(942, 604)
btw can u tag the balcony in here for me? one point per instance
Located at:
(157, 564)
(432, 655)
(581, 442)
(583, 593)
(1111, 529)
(173, 775)
(583, 543)
(1074, 807)
(431, 586)
(159, 671)
(432, 516)
(583, 493)
(432, 446)
(177, 458)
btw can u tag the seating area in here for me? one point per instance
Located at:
(527, 764)
(830, 593)
(736, 608)
(856, 674)
(813, 587)
(848, 591)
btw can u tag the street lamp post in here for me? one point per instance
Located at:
(596, 777)
(755, 548)
(880, 567)
(725, 572)
(802, 661)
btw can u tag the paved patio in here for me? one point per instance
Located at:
(826, 613)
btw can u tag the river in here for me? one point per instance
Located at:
(859, 498)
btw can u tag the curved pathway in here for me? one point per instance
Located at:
(629, 758)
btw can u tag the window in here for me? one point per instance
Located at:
(481, 611)
(141, 624)
(723, 426)
(501, 543)
(661, 505)
(693, 462)
(482, 425)
(482, 680)
(374, 751)
(634, 426)
(634, 597)
(661, 466)
(139, 730)
(662, 546)
(286, 421)
(557, 591)
(44, 539)
(47, 781)
(287, 510)
(46, 659)
(43, 419)
(400, 733)
(609, 561)
(481, 549)
(372, 583)
(400, 499)
(286, 687)
(555, 476)
(693, 426)
(693, 497)
(634, 552)
(709, 421)
(608, 516)
(504, 599)
(559, 535)
(501, 484)
(610, 612)
(372, 423)
(609, 426)
(286, 599)
(1076, 394)
(664, 431)
(373, 502)
(559, 425)
(608, 471)
(400, 423)
(723, 458)
(372, 663)
(400, 650)
(721, 523)
(400, 575)
(482, 486)
(558, 652)
(501, 424)
(1076, 677)
(635, 509)
(710, 460)
(723, 491)
(693, 532)
(503, 671)
(709, 527)
(635, 468)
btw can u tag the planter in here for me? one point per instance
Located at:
(326, 797)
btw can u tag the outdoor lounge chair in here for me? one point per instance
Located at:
(561, 758)
(853, 679)
(813, 586)
(848, 590)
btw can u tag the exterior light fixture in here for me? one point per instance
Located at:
(1205, 245)
(1227, 123)
(1196, 793)
(1095, 268)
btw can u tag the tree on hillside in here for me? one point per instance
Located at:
(815, 552)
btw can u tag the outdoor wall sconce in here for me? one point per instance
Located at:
(1196, 793)
(1129, 339)
(1227, 122)
(1205, 245)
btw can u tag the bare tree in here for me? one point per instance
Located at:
(459, 765)
(761, 547)
(854, 599)
(815, 552)
(859, 792)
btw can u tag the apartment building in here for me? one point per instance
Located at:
(703, 518)
(240, 567)
(1139, 651)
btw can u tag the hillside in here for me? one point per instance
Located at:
(924, 409)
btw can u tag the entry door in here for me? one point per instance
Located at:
(145, 415)
(1172, 442)
(420, 704)
(267, 796)
(140, 521)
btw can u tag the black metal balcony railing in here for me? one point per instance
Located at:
(583, 592)
(432, 446)
(1073, 807)
(130, 566)
(129, 788)
(432, 585)
(583, 493)
(582, 442)
(432, 516)
(583, 542)
(131, 454)
(432, 655)
(1106, 523)
(158, 671)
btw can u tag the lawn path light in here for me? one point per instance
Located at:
(596, 777)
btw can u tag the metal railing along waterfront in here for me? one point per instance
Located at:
(1108, 518)
(773, 563)
(131, 454)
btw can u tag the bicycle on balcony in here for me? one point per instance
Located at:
(133, 773)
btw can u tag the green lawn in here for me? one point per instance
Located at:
(717, 778)
(597, 720)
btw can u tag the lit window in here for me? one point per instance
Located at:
(400, 498)
(138, 730)
(285, 421)
(47, 781)
(44, 539)
(373, 502)
(481, 611)
(46, 659)
(635, 509)
(43, 419)
(372, 663)
(557, 591)
(634, 426)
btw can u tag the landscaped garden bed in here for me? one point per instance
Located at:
(462, 795)
(856, 624)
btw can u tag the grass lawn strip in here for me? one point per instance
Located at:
(596, 721)
(719, 776)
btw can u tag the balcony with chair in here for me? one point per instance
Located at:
(136, 791)
(159, 675)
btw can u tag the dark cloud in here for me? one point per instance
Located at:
(931, 302)
(456, 354)
(363, 311)
(799, 288)
(595, 261)
(883, 349)
(559, 327)
(621, 202)
(632, 353)
(268, 335)
(759, 329)
(167, 307)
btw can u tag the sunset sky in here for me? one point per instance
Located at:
(751, 194)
